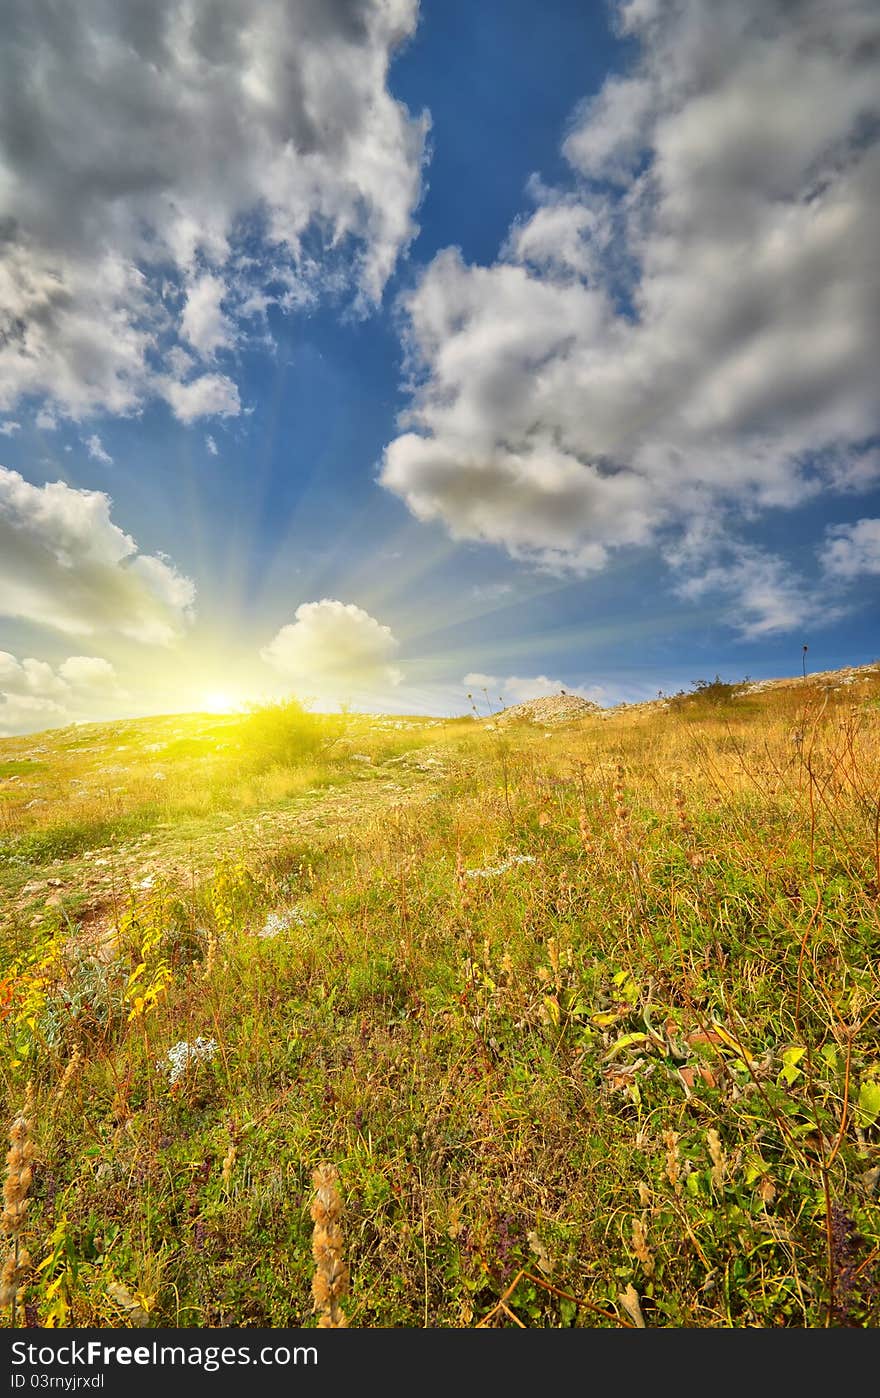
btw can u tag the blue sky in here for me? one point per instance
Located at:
(362, 349)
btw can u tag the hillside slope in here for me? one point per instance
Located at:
(586, 1023)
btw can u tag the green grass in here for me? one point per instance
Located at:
(570, 1016)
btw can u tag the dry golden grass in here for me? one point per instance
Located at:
(586, 1024)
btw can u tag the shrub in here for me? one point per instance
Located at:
(285, 734)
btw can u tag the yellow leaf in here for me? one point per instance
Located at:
(551, 1005)
(627, 1041)
(732, 1043)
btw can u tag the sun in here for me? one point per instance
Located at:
(218, 701)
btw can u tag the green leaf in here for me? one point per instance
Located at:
(869, 1103)
(568, 1310)
(829, 1056)
(755, 1167)
(790, 1060)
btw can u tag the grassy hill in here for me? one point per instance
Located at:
(584, 1016)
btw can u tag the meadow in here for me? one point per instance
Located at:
(581, 1019)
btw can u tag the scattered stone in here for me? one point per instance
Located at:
(549, 710)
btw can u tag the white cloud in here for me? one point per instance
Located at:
(691, 332)
(212, 445)
(203, 323)
(517, 689)
(335, 647)
(159, 160)
(852, 550)
(86, 672)
(64, 564)
(33, 695)
(9, 429)
(767, 597)
(25, 713)
(29, 676)
(561, 236)
(95, 448)
(611, 130)
(211, 395)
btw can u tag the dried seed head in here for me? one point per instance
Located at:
(14, 1273)
(19, 1168)
(716, 1151)
(73, 1066)
(330, 1281)
(553, 954)
(229, 1162)
(210, 953)
(640, 1246)
(673, 1167)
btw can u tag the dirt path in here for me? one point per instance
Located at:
(94, 887)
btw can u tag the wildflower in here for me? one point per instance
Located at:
(182, 1054)
(277, 923)
(493, 870)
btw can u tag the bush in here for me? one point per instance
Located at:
(707, 692)
(285, 734)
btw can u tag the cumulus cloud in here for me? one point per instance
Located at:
(29, 676)
(517, 689)
(77, 672)
(34, 695)
(95, 448)
(25, 713)
(212, 445)
(852, 550)
(210, 395)
(167, 170)
(691, 330)
(9, 428)
(87, 672)
(203, 322)
(65, 564)
(335, 647)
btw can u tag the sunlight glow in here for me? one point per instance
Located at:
(218, 701)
